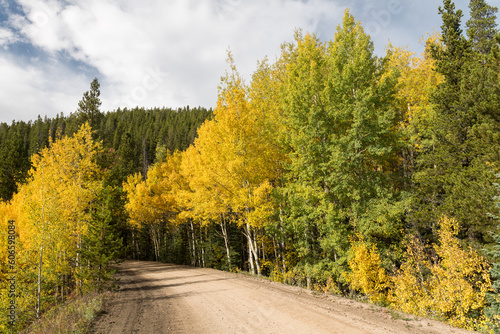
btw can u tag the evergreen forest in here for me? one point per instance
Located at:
(332, 168)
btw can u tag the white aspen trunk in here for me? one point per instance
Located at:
(63, 279)
(135, 243)
(39, 285)
(62, 288)
(252, 241)
(193, 243)
(40, 263)
(157, 248)
(189, 245)
(275, 248)
(253, 258)
(256, 255)
(57, 283)
(78, 239)
(282, 252)
(155, 241)
(263, 249)
(202, 247)
(165, 244)
(79, 282)
(250, 253)
(226, 239)
(250, 256)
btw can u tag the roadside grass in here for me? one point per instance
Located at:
(397, 315)
(74, 316)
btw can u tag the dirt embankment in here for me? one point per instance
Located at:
(163, 298)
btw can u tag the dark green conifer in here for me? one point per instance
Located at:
(456, 172)
(89, 106)
(102, 246)
(482, 27)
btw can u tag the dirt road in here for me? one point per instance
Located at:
(163, 298)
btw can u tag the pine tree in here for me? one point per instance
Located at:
(101, 245)
(456, 171)
(493, 311)
(481, 27)
(15, 162)
(89, 106)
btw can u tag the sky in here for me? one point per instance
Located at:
(169, 53)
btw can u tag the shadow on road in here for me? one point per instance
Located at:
(165, 286)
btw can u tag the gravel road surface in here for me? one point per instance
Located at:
(164, 298)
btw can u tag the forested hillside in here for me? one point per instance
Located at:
(332, 169)
(134, 136)
(61, 184)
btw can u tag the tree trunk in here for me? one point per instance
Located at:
(193, 243)
(253, 258)
(223, 226)
(165, 247)
(282, 250)
(154, 236)
(256, 254)
(250, 255)
(78, 264)
(135, 244)
(202, 247)
(39, 284)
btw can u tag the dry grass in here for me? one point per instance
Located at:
(74, 316)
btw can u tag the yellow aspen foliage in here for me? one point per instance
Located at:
(200, 198)
(11, 210)
(64, 183)
(416, 115)
(417, 80)
(51, 212)
(453, 286)
(233, 161)
(154, 199)
(367, 276)
(75, 160)
(139, 200)
(460, 281)
(410, 286)
(153, 202)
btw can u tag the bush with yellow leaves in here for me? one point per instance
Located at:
(367, 276)
(453, 287)
(410, 287)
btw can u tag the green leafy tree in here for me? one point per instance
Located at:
(342, 134)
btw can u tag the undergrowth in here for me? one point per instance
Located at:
(74, 316)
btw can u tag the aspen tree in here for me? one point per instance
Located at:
(233, 169)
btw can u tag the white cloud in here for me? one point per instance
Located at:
(164, 53)
(161, 53)
(37, 89)
(6, 37)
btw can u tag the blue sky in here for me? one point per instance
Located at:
(168, 53)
